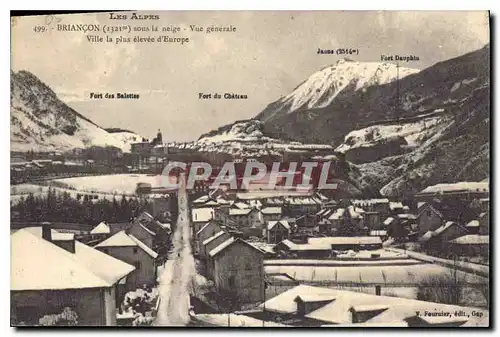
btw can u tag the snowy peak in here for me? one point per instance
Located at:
(322, 87)
(40, 121)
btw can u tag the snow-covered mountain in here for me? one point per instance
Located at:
(40, 121)
(430, 127)
(342, 78)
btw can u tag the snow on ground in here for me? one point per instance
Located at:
(112, 184)
(340, 263)
(232, 320)
(178, 274)
(414, 133)
(373, 274)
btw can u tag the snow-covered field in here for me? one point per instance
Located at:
(111, 184)
(100, 187)
(21, 191)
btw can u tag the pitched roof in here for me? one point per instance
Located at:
(228, 243)
(472, 239)
(430, 207)
(272, 224)
(101, 228)
(392, 310)
(213, 237)
(238, 212)
(122, 239)
(473, 223)
(45, 266)
(271, 210)
(144, 247)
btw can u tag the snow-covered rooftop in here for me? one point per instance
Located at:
(391, 310)
(472, 239)
(122, 239)
(101, 228)
(37, 264)
(346, 240)
(272, 224)
(271, 210)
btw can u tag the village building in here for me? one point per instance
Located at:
(341, 243)
(429, 218)
(291, 249)
(348, 220)
(271, 214)
(129, 249)
(484, 223)
(238, 271)
(51, 271)
(210, 243)
(277, 231)
(380, 206)
(210, 229)
(200, 216)
(471, 245)
(312, 306)
(434, 241)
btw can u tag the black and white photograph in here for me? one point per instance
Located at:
(250, 169)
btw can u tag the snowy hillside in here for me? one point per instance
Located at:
(40, 121)
(414, 133)
(321, 88)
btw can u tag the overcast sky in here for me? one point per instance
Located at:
(267, 57)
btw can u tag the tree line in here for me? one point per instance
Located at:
(61, 207)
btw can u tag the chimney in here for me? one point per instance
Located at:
(46, 231)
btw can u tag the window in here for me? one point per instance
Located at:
(231, 282)
(429, 213)
(135, 250)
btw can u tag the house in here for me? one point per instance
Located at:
(348, 242)
(484, 223)
(51, 271)
(200, 216)
(212, 242)
(380, 206)
(372, 220)
(472, 227)
(396, 207)
(303, 250)
(436, 240)
(101, 230)
(429, 218)
(248, 220)
(139, 230)
(271, 214)
(471, 245)
(238, 271)
(277, 231)
(346, 221)
(210, 229)
(305, 305)
(129, 249)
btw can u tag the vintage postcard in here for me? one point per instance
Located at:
(250, 169)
